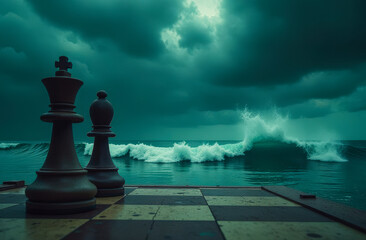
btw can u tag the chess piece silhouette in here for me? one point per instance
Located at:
(101, 169)
(62, 185)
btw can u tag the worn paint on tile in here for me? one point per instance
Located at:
(128, 212)
(128, 190)
(184, 213)
(14, 191)
(142, 200)
(248, 201)
(108, 200)
(288, 230)
(38, 229)
(162, 200)
(167, 192)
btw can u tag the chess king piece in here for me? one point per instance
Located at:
(101, 169)
(62, 185)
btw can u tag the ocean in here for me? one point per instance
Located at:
(267, 155)
(334, 171)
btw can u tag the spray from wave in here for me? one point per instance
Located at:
(257, 129)
(324, 151)
(267, 133)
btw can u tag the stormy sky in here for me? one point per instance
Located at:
(181, 70)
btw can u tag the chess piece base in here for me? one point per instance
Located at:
(60, 208)
(108, 182)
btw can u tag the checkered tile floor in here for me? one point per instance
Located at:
(175, 213)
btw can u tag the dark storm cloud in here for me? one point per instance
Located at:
(31, 45)
(133, 25)
(200, 118)
(308, 109)
(28, 44)
(194, 34)
(166, 65)
(354, 102)
(273, 42)
(321, 85)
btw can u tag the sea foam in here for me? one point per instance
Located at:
(273, 128)
(256, 129)
(5, 146)
(178, 152)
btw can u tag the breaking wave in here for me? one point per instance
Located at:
(4, 146)
(257, 130)
(178, 152)
(264, 137)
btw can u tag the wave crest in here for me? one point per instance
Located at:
(4, 146)
(256, 129)
(178, 152)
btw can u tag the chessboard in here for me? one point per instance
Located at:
(176, 213)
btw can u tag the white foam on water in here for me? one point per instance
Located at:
(178, 152)
(324, 151)
(8, 145)
(256, 129)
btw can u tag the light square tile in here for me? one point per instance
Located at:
(184, 213)
(128, 212)
(248, 201)
(233, 230)
(14, 191)
(167, 192)
(37, 228)
(108, 200)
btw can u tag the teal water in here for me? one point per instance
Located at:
(334, 171)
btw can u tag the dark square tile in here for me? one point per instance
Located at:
(294, 214)
(235, 192)
(111, 229)
(162, 200)
(18, 211)
(12, 198)
(185, 230)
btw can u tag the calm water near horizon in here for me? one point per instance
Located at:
(222, 164)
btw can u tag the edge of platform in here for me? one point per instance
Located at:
(7, 185)
(347, 215)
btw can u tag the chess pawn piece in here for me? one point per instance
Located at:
(62, 185)
(101, 169)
